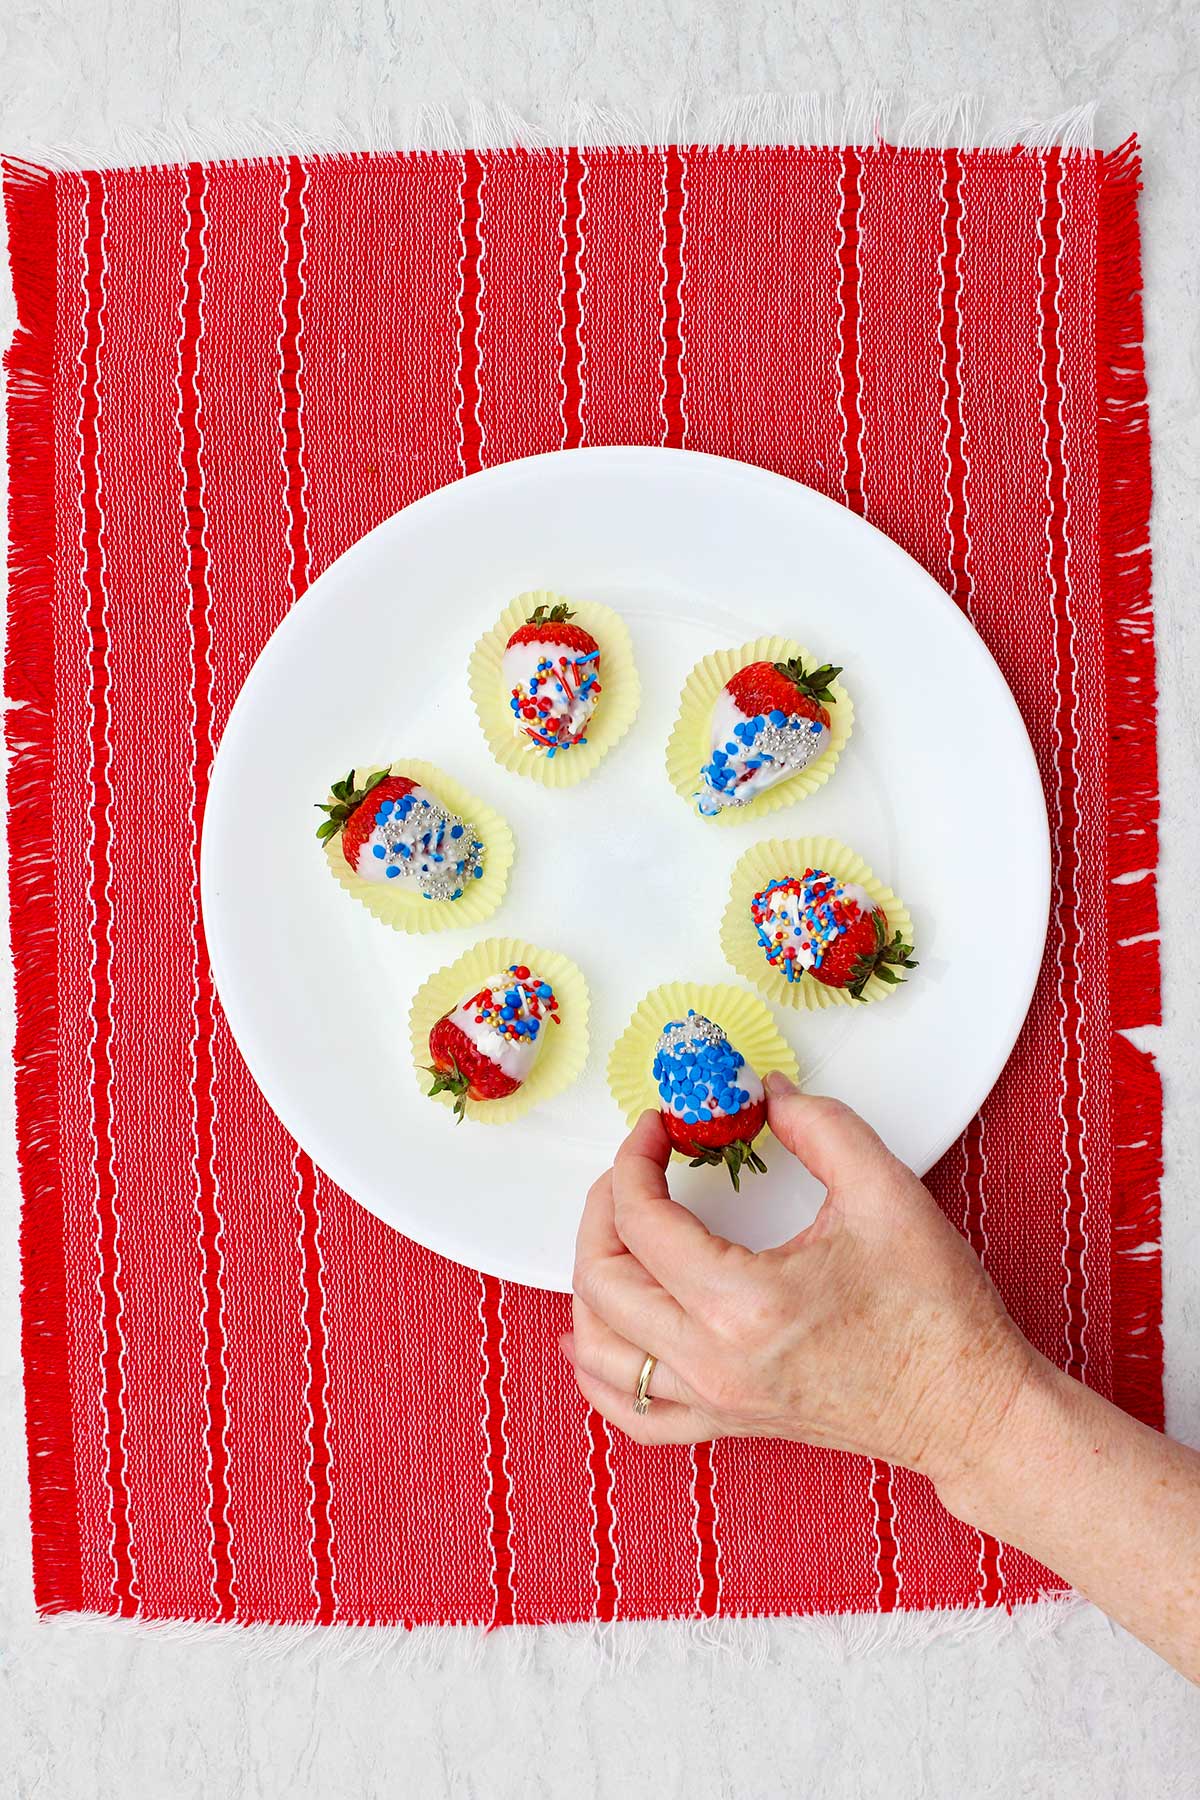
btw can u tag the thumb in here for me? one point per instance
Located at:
(830, 1139)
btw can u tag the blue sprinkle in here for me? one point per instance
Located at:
(386, 808)
(777, 717)
(456, 831)
(457, 894)
(704, 1115)
(379, 851)
(392, 870)
(815, 728)
(689, 1118)
(664, 1090)
(478, 873)
(508, 1012)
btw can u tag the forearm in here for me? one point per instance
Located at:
(1103, 1501)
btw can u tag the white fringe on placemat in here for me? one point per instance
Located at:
(808, 119)
(617, 1646)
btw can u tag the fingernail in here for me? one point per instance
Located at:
(566, 1344)
(779, 1085)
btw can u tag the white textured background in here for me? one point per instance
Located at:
(1064, 1708)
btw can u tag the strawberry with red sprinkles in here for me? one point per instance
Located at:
(831, 930)
(552, 672)
(486, 1048)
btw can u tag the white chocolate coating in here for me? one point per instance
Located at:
(429, 848)
(569, 686)
(752, 768)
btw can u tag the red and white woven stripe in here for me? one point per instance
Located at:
(246, 1397)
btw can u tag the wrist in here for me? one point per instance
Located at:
(1020, 1451)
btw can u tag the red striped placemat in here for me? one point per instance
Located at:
(247, 1398)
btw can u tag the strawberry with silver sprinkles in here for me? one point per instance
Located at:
(552, 671)
(486, 1048)
(713, 1106)
(768, 721)
(833, 930)
(394, 830)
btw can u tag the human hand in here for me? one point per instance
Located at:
(874, 1330)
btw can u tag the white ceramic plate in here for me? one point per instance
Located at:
(696, 553)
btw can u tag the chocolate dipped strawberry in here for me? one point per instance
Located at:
(552, 671)
(768, 721)
(712, 1102)
(394, 830)
(486, 1048)
(813, 924)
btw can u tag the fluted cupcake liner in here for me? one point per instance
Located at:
(775, 859)
(616, 708)
(565, 1045)
(690, 744)
(401, 906)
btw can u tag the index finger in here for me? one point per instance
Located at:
(597, 1232)
(667, 1239)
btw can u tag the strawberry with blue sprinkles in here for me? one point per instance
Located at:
(393, 830)
(712, 1102)
(552, 671)
(769, 721)
(485, 1049)
(831, 930)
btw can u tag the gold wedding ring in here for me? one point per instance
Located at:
(641, 1394)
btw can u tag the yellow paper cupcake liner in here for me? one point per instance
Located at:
(773, 860)
(616, 709)
(408, 911)
(743, 1018)
(690, 743)
(564, 1051)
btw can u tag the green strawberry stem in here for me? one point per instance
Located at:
(454, 1082)
(739, 1158)
(347, 798)
(883, 961)
(550, 615)
(814, 683)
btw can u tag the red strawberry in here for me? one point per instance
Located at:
(537, 630)
(350, 812)
(461, 1068)
(553, 690)
(861, 951)
(728, 1139)
(788, 687)
(713, 1106)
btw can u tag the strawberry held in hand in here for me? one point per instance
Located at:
(394, 830)
(769, 720)
(552, 671)
(832, 930)
(712, 1101)
(486, 1048)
